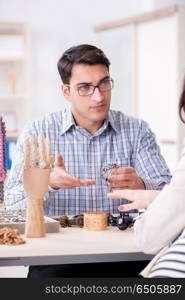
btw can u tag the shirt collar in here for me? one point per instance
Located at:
(68, 121)
(112, 121)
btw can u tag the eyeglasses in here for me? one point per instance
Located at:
(88, 89)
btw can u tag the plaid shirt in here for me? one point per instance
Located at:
(121, 139)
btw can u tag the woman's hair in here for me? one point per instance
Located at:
(81, 54)
(182, 104)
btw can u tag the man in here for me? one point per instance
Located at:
(87, 137)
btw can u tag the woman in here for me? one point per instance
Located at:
(161, 228)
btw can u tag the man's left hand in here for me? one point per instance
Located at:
(125, 178)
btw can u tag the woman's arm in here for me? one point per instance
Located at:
(164, 219)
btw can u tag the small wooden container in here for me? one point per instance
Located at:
(95, 221)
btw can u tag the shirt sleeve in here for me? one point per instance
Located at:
(164, 220)
(149, 163)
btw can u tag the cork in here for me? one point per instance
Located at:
(95, 221)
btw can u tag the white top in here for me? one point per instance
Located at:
(164, 220)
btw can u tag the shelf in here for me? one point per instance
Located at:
(12, 59)
(10, 134)
(11, 33)
(15, 99)
(12, 97)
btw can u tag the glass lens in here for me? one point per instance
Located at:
(85, 90)
(105, 85)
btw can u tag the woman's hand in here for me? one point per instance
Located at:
(140, 198)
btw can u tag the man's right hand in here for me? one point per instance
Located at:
(61, 179)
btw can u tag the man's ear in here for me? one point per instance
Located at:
(65, 91)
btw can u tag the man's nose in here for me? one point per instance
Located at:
(97, 95)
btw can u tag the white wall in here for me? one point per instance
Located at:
(57, 25)
(161, 3)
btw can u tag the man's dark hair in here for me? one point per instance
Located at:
(84, 54)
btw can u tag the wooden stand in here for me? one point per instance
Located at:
(95, 221)
(36, 185)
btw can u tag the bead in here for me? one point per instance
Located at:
(42, 164)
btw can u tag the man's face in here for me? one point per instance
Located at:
(91, 108)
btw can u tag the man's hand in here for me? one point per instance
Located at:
(61, 179)
(125, 178)
(140, 199)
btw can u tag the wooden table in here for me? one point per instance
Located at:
(74, 245)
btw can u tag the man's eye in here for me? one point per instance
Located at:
(84, 88)
(105, 84)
